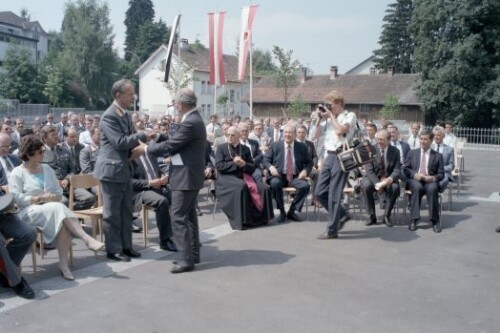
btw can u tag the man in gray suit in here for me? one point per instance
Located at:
(448, 156)
(186, 147)
(114, 170)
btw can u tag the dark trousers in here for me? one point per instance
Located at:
(329, 191)
(162, 211)
(431, 191)
(117, 215)
(391, 193)
(185, 225)
(302, 186)
(23, 235)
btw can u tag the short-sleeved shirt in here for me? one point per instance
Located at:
(334, 141)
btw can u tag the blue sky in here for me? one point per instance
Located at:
(321, 33)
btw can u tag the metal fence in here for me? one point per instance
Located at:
(12, 108)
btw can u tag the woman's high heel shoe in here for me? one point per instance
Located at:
(94, 245)
(67, 275)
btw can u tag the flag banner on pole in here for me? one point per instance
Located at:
(247, 16)
(170, 47)
(215, 27)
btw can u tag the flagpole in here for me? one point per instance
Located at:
(251, 80)
(215, 99)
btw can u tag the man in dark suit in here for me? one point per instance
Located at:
(74, 147)
(58, 157)
(382, 175)
(150, 188)
(403, 147)
(448, 156)
(114, 170)
(424, 170)
(275, 133)
(289, 163)
(186, 147)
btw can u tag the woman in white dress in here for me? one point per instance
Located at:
(38, 195)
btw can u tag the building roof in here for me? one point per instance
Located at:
(367, 62)
(357, 89)
(12, 19)
(198, 60)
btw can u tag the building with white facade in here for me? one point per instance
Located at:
(14, 30)
(155, 97)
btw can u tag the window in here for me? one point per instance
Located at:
(231, 96)
(209, 109)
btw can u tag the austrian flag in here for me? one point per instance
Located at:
(215, 27)
(247, 16)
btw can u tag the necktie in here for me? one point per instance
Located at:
(438, 147)
(423, 161)
(414, 142)
(382, 164)
(148, 166)
(213, 128)
(7, 163)
(72, 153)
(289, 164)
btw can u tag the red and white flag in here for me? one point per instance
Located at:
(215, 27)
(168, 59)
(247, 16)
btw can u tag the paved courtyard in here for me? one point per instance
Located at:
(279, 278)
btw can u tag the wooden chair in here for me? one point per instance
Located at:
(95, 215)
(145, 216)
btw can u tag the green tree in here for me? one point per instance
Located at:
(262, 62)
(54, 88)
(24, 13)
(88, 48)
(285, 74)
(457, 52)
(21, 78)
(297, 107)
(150, 37)
(396, 40)
(138, 13)
(391, 108)
(197, 45)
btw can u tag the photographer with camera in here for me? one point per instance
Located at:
(340, 128)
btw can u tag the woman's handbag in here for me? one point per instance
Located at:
(361, 153)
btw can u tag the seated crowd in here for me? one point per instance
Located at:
(249, 162)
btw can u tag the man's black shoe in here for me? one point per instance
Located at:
(413, 225)
(436, 227)
(181, 269)
(371, 221)
(327, 235)
(23, 289)
(293, 216)
(131, 253)
(118, 257)
(169, 246)
(136, 229)
(497, 229)
(281, 218)
(46, 246)
(387, 221)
